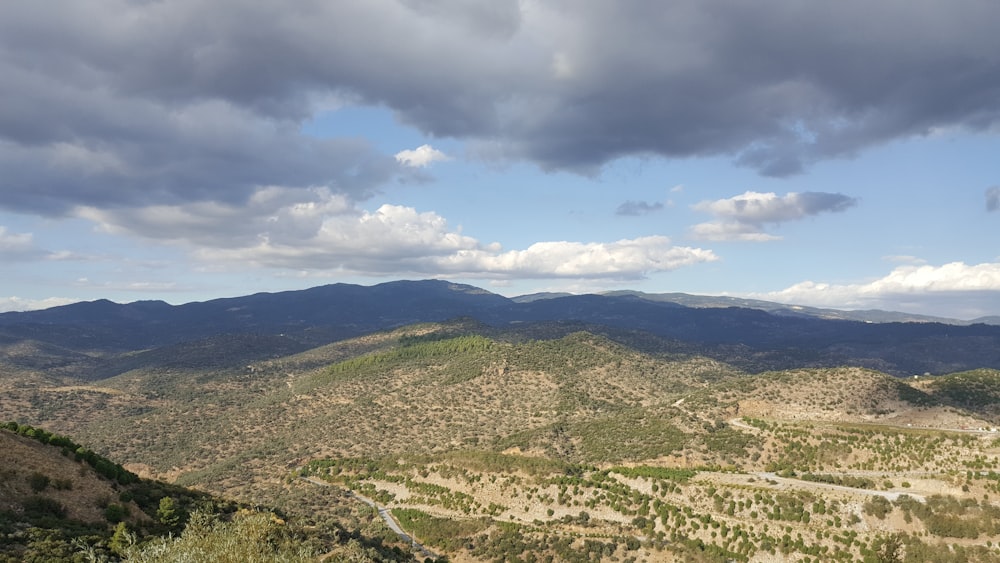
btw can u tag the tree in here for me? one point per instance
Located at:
(115, 512)
(891, 550)
(122, 539)
(168, 513)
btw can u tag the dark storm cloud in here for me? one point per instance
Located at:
(635, 208)
(114, 102)
(780, 84)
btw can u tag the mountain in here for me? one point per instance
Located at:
(339, 310)
(870, 315)
(83, 338)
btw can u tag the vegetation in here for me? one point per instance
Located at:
(101, 464)
(147, 520)
(537, 443)
(254, 537)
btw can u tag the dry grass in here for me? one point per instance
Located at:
(84, 500)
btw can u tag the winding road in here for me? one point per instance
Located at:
(386, 517)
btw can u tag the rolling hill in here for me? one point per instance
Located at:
(579, 428)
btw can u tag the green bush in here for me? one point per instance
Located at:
(115, 513)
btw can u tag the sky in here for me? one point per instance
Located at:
(839, 154)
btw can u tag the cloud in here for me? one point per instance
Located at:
(993, 198)
(730, 230)
(8, 304)
(744, 217)
(155, 287)
(420, 156)
(634, 208)
(955, 290)
(776, 85)
(19, 247)
(163, 103)
(623, 259)
(317, 230)
(397, 240)
(13, 244)
(276, 212)
(203, 151)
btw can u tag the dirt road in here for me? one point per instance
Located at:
(386, 516)
(813, 485)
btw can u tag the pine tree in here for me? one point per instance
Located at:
(168, 513)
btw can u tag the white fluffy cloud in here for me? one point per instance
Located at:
(744, 217)
(397, 240)
(623, 259)
(319, 230)
(956, 290)
(421, 156)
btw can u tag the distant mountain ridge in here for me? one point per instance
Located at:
(315, 316)
(341, 310)
(868, 315)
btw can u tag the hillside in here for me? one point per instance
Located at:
(61, 502)
(492, 441)
(37, 474)
(415, 389)
(975, 390)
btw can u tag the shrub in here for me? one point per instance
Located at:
(63, 484)
(878, 507)
(39, 507)
(38, 481)
(115, 513)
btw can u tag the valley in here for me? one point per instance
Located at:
(548, 440)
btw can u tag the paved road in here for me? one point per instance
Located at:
(386, 517)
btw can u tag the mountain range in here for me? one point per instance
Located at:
(84, 337)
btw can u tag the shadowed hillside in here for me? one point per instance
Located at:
(100, 339)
